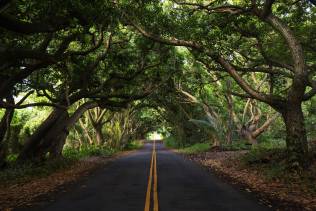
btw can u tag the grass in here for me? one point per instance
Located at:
(204, 147)
(235, 146)
(171, 142)
(196, 148)
(133, 145)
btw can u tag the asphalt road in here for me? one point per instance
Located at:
(123, 184)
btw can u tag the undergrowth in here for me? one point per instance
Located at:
(134, 145)
(272, 163)
(269, 158)
(15, 173)
(170, 142)
(88, 151)
(20, 172)
(235, 146)
(196, 148)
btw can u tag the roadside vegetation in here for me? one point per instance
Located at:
(196, 148)
(23, 172)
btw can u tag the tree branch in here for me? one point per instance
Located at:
(267, 8)
(170, 41)
(243, 84)
(8, 105)
(12, 24)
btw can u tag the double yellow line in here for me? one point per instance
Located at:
(152, 173)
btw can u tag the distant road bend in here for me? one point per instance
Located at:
(150, 179)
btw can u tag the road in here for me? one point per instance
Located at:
(174, 184)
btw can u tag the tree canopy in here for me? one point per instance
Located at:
(107, 72)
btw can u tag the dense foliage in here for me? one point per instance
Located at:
(101, 74)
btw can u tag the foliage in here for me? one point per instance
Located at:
(87, 151)
(134, 145)
(271, 161)
(236, 145)
(170, 142)
(196, 148)
(214, 73)
(15, 173)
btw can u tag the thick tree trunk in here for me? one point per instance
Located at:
(296, 138)
(50, 137)
(33, 145)
(57, 137)
(56, 146)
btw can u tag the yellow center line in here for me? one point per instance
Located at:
(155, 183)
(148, 193)
(153, 168)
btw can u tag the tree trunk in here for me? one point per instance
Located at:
(216, 142)
(55, 140)
(246, 133)
(57, 144)
(264, 126)
(296, 138)
(50, 137)
(4, 127)
(99, 134)
(5, 123)
(230, 120)
(86, 131)
(33, 145)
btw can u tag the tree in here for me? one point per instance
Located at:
(238, 20)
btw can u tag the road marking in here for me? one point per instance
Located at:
(148, 193)
(155, 181)
(153, 170)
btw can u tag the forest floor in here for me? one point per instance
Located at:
(20, 193)
(290, 193)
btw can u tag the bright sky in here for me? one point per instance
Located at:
(155, 136)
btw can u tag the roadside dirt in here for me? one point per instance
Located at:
(275, 194)
(16, 195)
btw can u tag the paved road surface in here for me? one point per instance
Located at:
(123, 185)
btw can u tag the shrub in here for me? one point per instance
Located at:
(196, 148)
(171, 142)
(134, 145)
(15, 172)
(86, 151)
(235, 146)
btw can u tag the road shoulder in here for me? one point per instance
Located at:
(28, 192)
(279, 196)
